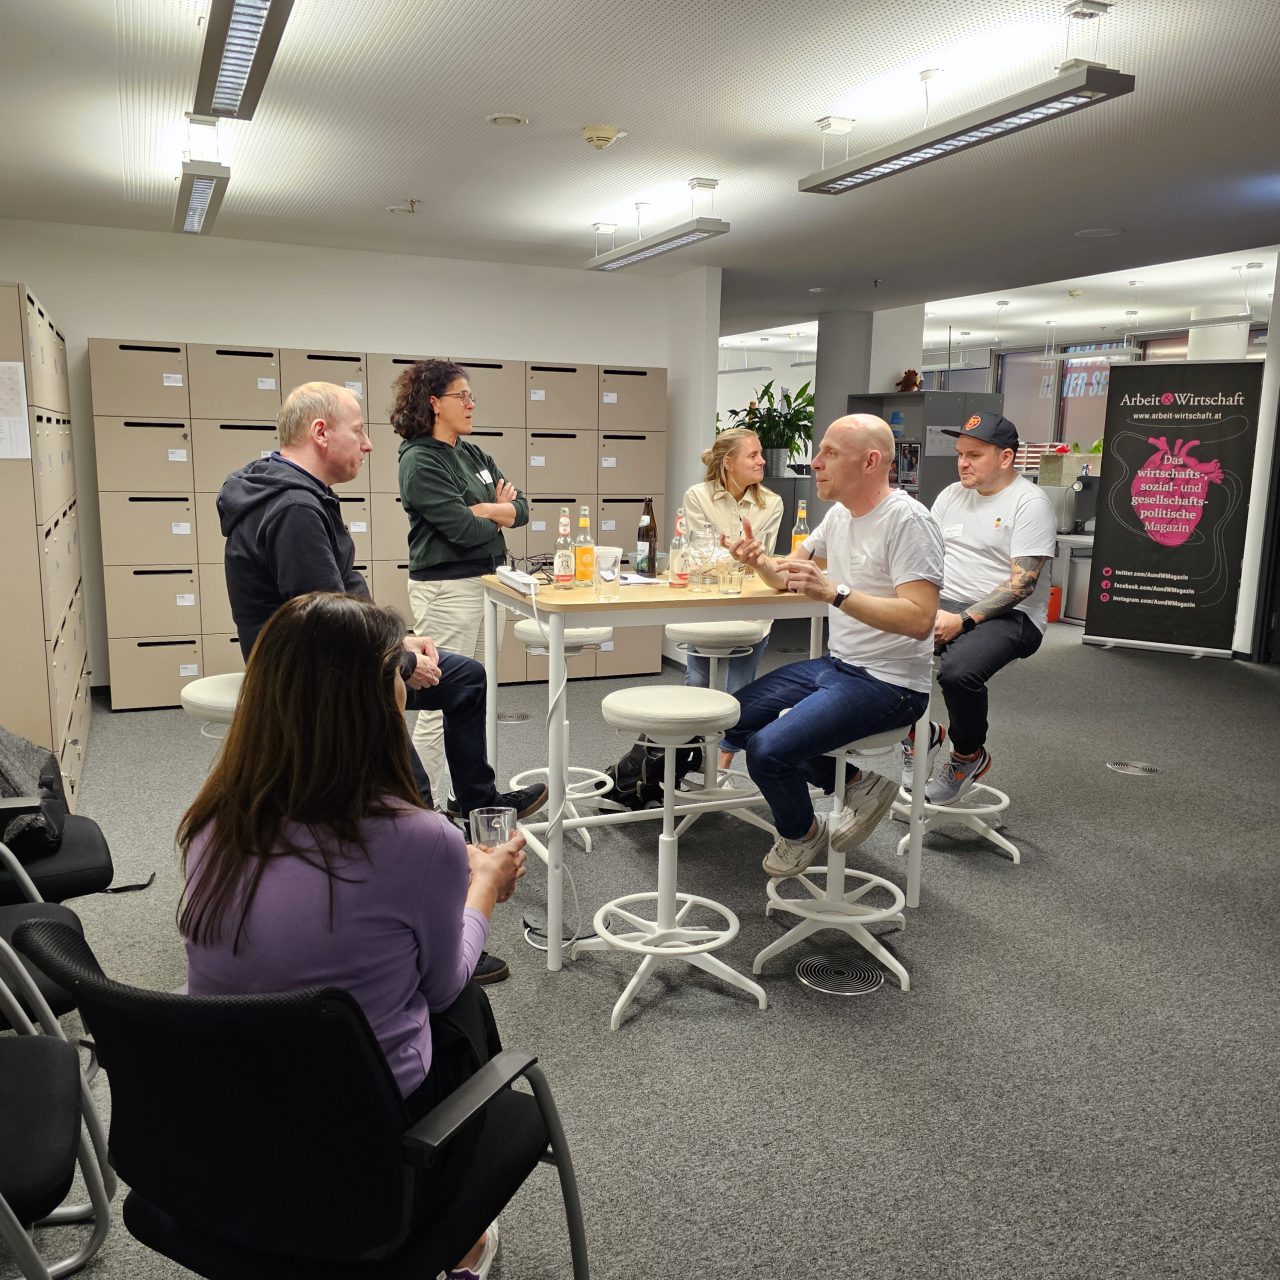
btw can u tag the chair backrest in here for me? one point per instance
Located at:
(270, 1121)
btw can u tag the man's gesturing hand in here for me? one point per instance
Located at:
(804, 577)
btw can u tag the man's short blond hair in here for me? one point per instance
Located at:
(304, 404)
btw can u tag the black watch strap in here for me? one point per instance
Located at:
(967, 623)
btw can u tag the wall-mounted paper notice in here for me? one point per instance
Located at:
(610, 397)
(537, 395)
(185, 600)
(188, 669)
(537, 460)
(177, 455)
(936, 445)
(171, 379)
(180, 527)
(266, 384)
(15, 429)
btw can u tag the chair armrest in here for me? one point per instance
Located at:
(14, 805)
(421, 1142)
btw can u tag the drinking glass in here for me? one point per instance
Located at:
(731, 576)
(702, 551)
(492, 827)
(608, 573)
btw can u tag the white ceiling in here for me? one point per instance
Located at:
(372, 103)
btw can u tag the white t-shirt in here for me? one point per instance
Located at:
(984, 535)
(896, 542)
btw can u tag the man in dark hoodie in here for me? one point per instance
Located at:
(285, 537)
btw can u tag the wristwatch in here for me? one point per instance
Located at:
(967, 623)
(842, 594)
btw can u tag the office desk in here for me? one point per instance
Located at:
(642, 605)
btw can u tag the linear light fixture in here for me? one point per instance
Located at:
(241, 39)
(746, 368)
(200, 196)
(1078, 85)
(660, 242)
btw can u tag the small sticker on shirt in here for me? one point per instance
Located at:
(953, 531)
(485, 476)
(857, 560)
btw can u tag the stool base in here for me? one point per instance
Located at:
(590, 784)
(675, 942)
(848, 913)
(980, 802)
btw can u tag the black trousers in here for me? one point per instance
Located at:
(969, 661)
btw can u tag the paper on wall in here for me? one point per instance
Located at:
(936, 445)
(15, 428)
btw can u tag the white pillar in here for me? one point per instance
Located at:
(1220, 341)
(693, 332)
(843, 365)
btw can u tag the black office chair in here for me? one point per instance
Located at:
(264, 1136)
(80, 864)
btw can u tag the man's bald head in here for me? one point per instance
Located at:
(852, 463)
(865, 431)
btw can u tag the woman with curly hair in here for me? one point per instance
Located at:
(458, 503)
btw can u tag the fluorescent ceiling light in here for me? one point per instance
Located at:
(660, 242)
(241, 39)
(746, 368)
(200, 196)
(1078, 87)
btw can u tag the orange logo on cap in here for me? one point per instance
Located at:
(973, 422)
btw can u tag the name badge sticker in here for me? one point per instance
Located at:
(953, 531)
(485, 476)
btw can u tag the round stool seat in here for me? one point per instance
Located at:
(877, 741)
(531, 632)
(716, 635)
(671, 711)
(212, 697)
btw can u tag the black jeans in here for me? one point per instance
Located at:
(969, 661)
(460, 695)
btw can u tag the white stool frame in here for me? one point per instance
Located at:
(967, 814)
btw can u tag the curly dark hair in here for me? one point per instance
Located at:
(412, 414)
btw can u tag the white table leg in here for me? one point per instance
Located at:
(557, 772)
(815, 635)
(491, 680)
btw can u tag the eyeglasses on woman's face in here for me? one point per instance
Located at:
(467, 397)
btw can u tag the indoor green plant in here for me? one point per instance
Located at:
(784, 424)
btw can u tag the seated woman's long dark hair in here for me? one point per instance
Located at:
(317, 739)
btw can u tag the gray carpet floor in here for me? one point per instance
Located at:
(1081, 1081)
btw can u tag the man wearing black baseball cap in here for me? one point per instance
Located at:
(1000, 533)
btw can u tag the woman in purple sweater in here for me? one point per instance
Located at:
(310, 861)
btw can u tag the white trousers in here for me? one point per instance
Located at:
(452, 614)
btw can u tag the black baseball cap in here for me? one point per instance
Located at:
(993, 428)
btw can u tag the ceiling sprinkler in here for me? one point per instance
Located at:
(601, 135)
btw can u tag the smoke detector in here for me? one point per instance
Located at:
(1074, 293)
(601, 135)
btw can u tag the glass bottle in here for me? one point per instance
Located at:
(800, 530)
(678, 560)
(647, 541)
(562, 564)
(584, 550)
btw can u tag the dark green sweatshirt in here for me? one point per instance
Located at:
(438, 483)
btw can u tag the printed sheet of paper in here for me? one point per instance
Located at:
(15, 428)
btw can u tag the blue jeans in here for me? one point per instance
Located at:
(832, 704)
(742, 671)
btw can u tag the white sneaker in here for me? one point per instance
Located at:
(480, 1270)
(937, 736)
(791, 857)
(866, 800)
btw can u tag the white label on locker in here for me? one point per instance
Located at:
(171, 379)
(484, 475)
(266, 384)
(266, 453)
(181, 527)
(608, 526)
(359, 526)
(537, 460)
(185, 599)
(608, 462)
(177, 455)
(188, 669)
(537, 395)
(538, 526)
(606, 646)
(610, 397)
(356, 387)
(15, 426)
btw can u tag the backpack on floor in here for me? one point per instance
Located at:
(637, 777)
(29, 770)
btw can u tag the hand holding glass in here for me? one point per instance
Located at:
(492, 827)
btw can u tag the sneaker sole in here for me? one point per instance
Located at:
(847, 836)
(799, 868)
(494, 975)
(533, 808)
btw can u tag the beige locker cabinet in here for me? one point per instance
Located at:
(383, 464)
(632, 462)
(143, 455)
(561, 460)
(222, 447)
(632, 651)
(390, 527)
(150, 671)
(562, 397)
(209, 539)
(55, 475)
(358, 486)
(392, 577)
(215, 605)
(632, 399)
(139, 379)
(512, 659)
(365, 569)
(46, 360)
(148, 528)
(71, 758)
(498, 386)
(222, 655)
(152, 600)
(383, 372)
(356, 516)
(544, 520)
(59, 542)
(507, 447)
(618, 522)
(517, 541)
(234, 383)
(343, 368)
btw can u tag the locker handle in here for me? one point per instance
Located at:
(344, 359)
(167, 426)
(162, 644)
(246, 426)
(480, 432)
(144, 346)
(248, 355)
(480, 364)
(552, 501)
(626, 373)
(554, 435)
(342, 499)
(160, 573)
(148, 498)
(638, 436)
(552, 368)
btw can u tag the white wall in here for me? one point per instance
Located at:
(737, 390)
(104, 283)
(897, 344)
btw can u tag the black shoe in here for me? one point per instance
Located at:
(525, 801)
(490, 969)
(452, 808)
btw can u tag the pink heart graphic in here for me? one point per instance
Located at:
(1168, 493)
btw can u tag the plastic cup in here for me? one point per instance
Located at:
(492, 827)
(608, 573)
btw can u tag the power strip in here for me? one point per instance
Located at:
(517, 579)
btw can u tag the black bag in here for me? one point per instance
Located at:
(637, 777)
(29, 770)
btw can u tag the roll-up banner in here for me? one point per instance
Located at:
(1177, 460)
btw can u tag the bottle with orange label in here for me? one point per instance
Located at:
(584, 550)
(678, 558)
(800, 530)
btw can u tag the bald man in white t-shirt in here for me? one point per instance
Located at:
(1000, 533)
(884, 570)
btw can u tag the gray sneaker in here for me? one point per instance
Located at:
(937, 736)
(791, 857)
(956, 777)
(866, 801)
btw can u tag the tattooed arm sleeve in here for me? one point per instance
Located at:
(1025, 574)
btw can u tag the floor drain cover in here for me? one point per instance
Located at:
(839, 977)
(1133, 767)
(512, 717)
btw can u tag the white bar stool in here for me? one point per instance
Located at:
(715, 640)
(582, 783)
(832, 905)
(978, 803)
(212, 699)
(668, 715)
